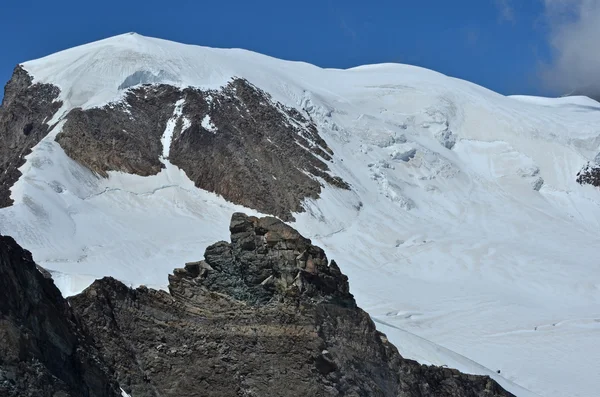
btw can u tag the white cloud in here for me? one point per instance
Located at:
(574, 29)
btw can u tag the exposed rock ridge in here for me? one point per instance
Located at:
(236, 142)
(260, 154)
(123, 136)
(25, 110)
(43, 350)
(589, 174)
(267, 261)
(265, 314)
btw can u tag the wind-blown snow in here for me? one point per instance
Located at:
(208, 125)
(169, 129)
(488, 249)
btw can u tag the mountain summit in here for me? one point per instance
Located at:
(462, 216)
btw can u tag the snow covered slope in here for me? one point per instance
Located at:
(464, 225)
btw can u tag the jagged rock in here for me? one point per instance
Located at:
(537, 183)
(25, 110)
(258, 153)
(267, 261)
(265, 314)
(403, 153)
(252, 150)
(123, 136)
(589, 175)
(236, 142)
(446, 137)
(43, 350)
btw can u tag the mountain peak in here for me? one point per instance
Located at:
(127, 156)
(90, 75)
(266, 261)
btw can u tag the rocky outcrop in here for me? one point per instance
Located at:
(253, 151)
(236, 142)
(43, 350)
(589, 175)
(122, 136)
(25, 111)
(264, 314)
(267, 260)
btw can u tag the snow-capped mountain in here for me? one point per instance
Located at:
(455, 211)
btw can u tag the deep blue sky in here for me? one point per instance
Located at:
(476, 40)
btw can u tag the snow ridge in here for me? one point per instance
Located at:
(465, 224)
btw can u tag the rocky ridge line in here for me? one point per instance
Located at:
(44, 350)
(590, 174)
(235, 141)
(25, 111)
(264, 314)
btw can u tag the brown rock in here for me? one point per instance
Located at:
(25, 109)
(255, 324)
(43, 350)
(261, 154)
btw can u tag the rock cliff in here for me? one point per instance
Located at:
(44, 350)
(264, 314)
(25, 111)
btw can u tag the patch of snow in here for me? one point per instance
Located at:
(186, 124)
(208, 125)
(146, 77)
(426, 352)
(171, 123)
(71, 284)
(76, 233)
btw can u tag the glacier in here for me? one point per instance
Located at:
(465, 235)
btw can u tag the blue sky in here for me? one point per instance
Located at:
(495, 43)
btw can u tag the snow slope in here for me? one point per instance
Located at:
(464, 226)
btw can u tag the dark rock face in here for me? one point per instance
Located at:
(25, 109)
(123, 136)
(259, 154)
(265, 314)
(43, 350)
(268, 260)
(589, 175)
(236, 142)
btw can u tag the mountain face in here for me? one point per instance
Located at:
(45, 350)
(264, 314)
(235, 142)
(465, 220)
(209, 136)
(24, 113)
